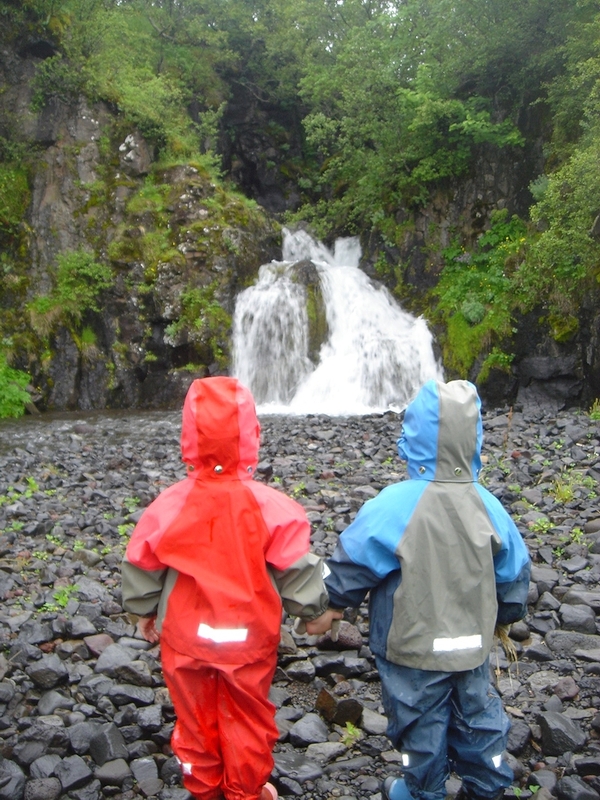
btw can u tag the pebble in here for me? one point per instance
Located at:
(84, 711)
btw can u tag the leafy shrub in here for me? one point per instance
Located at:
(204, 319)
(79, 280)
(13, 396)
(56, 77)
(477, 296)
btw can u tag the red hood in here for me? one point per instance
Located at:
(220, 432)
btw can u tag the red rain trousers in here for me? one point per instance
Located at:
(225, 730)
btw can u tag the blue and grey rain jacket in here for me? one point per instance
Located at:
(441, 558)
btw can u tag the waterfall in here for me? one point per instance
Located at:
(375, 356)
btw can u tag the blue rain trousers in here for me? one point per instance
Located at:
(443, 722)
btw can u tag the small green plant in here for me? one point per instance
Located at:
(570, 483)
(32, 487)
(41, 555)
(541, 525)
(50, 607)
(577, 536)
(563, 492)
(51, 537)
(78, 545)
(125, 530)
(14, 526)
(64, 593)
(131, 503)
(351, 735)
(594, 411)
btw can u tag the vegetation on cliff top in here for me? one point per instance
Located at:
(397, 99)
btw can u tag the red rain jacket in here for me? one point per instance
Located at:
(217, 531)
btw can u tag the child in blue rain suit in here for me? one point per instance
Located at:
(444, 564)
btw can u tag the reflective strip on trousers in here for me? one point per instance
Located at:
(221, 635)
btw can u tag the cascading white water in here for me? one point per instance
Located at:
(375, 358)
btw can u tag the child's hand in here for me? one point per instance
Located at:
(323, 623)
(147, 627)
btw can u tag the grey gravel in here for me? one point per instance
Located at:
(84, 712)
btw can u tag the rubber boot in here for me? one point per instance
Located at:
(396, 789)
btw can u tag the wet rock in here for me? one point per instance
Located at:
(107, 744)
(308, 730)
(325, 752)
(338, 710)
(579, 618)
(48, 672)
(519, 736)
(560, 734)
(571, 787)
(43, 789)
(73, 772)
(45, 766)
(115, 773)
(372, 722)
(566, 688)
(303, 671)
(296, 766)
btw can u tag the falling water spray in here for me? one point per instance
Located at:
(375, 357)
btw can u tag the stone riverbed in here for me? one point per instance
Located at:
(84, 712)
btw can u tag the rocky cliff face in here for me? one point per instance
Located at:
(178, 245)
(545, 372)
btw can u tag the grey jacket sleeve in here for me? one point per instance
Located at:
(142, 589)
(302, 588)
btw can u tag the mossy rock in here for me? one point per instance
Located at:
(306, 273)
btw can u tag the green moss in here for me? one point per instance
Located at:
(14, 197)
(461, 344)
(203, 322)
(78, 282)
(88, 337)
(563, 327)
(317, 321)
(498, 360)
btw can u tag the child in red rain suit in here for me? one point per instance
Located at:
(208, 566)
